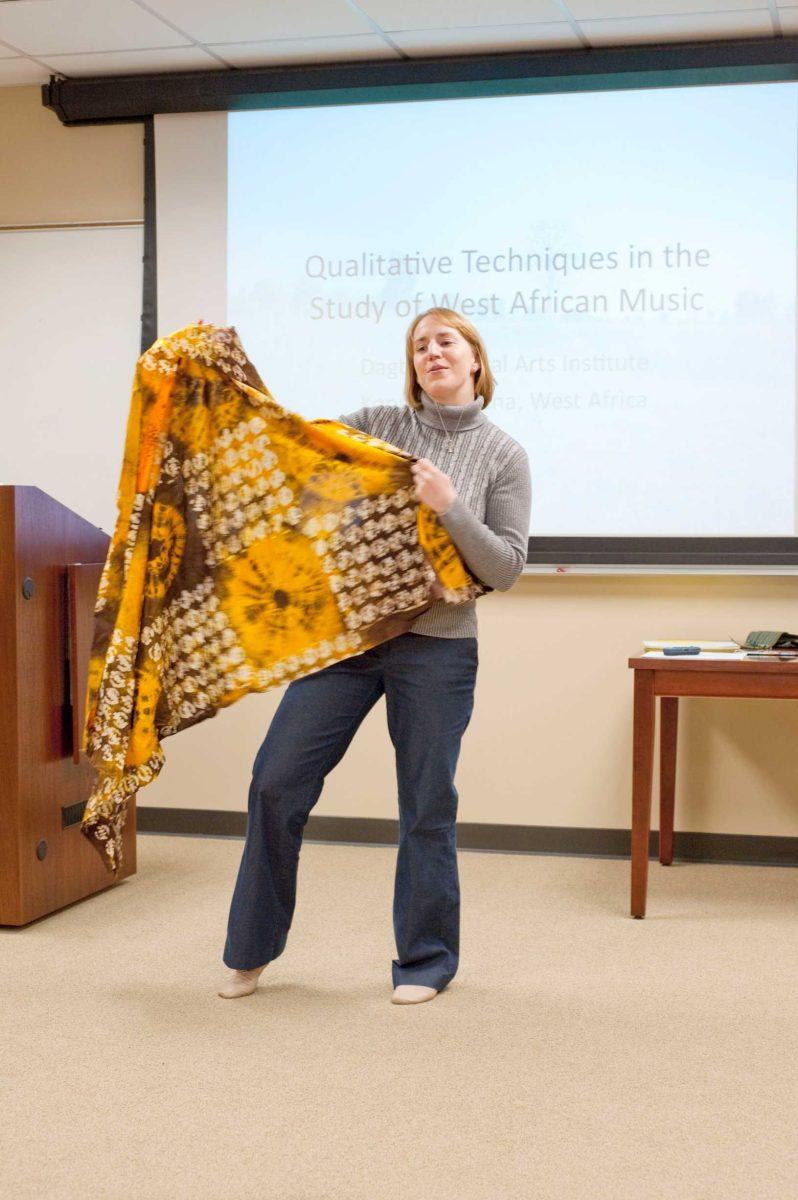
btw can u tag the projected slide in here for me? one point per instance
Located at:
(629, 258)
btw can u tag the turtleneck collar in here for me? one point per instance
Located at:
(451, 416)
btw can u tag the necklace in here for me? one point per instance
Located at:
(449, 447)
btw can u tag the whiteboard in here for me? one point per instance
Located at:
(70, 309)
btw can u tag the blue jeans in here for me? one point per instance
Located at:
(428, 683)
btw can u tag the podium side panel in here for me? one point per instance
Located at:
(84, 582)
(9, 730)
(58, 864)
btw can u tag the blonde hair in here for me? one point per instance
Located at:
(484, 382)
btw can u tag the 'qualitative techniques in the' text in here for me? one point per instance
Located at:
(368, 264)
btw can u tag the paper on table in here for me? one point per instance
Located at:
(715, 655)
(708, 647)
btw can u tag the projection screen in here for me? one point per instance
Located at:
(628, 256)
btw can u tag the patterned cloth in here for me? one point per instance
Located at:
(251, 548)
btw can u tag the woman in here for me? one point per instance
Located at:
(476, 478)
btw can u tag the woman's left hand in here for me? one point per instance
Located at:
(433, 488)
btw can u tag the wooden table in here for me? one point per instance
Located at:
(669, 678)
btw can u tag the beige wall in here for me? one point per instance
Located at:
(550, 740)
(49, 173)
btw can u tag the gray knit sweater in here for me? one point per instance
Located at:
(489, 519)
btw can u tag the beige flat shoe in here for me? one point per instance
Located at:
(412, 993)
(242, 983)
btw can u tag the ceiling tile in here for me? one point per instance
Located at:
(14, 71)
(661, 10)
(624, 31)
(77, 26)
(133, 62)
(303, 50)
(458, 14)
(486, 39)
(788, 18)
(255, 20)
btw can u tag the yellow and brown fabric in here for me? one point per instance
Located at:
(251, 548)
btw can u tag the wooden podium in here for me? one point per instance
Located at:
(50, 566)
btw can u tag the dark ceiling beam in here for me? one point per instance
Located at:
(121, 98)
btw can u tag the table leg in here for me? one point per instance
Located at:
(642, 772)
(669, 720)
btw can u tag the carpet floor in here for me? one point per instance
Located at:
(577, 1055)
